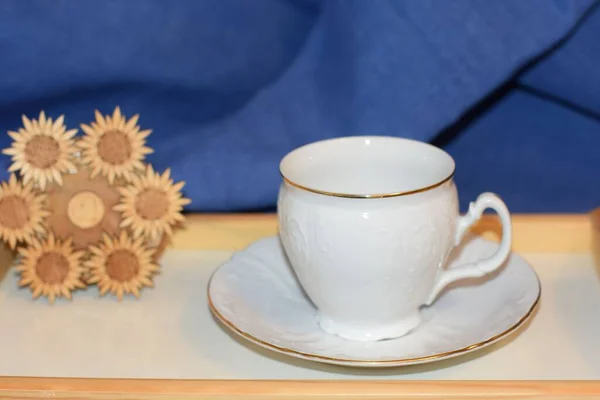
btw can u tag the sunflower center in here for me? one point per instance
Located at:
(114, 147)
(152, 204)
(14, 212)
(85, 209)
(52, 268)
(42, 151)
(122, 265)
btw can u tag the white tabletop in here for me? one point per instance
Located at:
(170, 333)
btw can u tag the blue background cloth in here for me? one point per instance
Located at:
(510, 88)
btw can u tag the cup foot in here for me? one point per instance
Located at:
(369, 333)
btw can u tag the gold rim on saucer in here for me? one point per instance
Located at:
(378, 363)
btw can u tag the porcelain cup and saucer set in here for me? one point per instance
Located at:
(373, 265)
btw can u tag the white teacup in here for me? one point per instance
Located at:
(368, 223)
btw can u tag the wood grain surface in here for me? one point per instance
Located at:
(24, 388)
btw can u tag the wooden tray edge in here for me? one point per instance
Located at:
(23, 388)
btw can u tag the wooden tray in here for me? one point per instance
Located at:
(167, 346)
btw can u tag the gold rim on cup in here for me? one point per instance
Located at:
(375, 195)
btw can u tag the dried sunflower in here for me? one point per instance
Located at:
(152, 204)
(121, 265)
(42, 151)
(113, 146)
(51, 268)
(22, 212)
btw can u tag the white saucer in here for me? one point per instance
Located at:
(256, 295)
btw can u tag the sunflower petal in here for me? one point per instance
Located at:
(10, 151)
(69, 134)
(26, 122)
(100, 119)
(132, 122)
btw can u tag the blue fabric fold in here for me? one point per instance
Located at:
(570, 73)
(539, 156)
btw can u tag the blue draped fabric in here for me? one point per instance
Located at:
(230, 86)
(570, 73)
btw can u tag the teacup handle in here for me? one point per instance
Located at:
(482, 267)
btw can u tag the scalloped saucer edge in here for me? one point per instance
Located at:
(255, 294)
